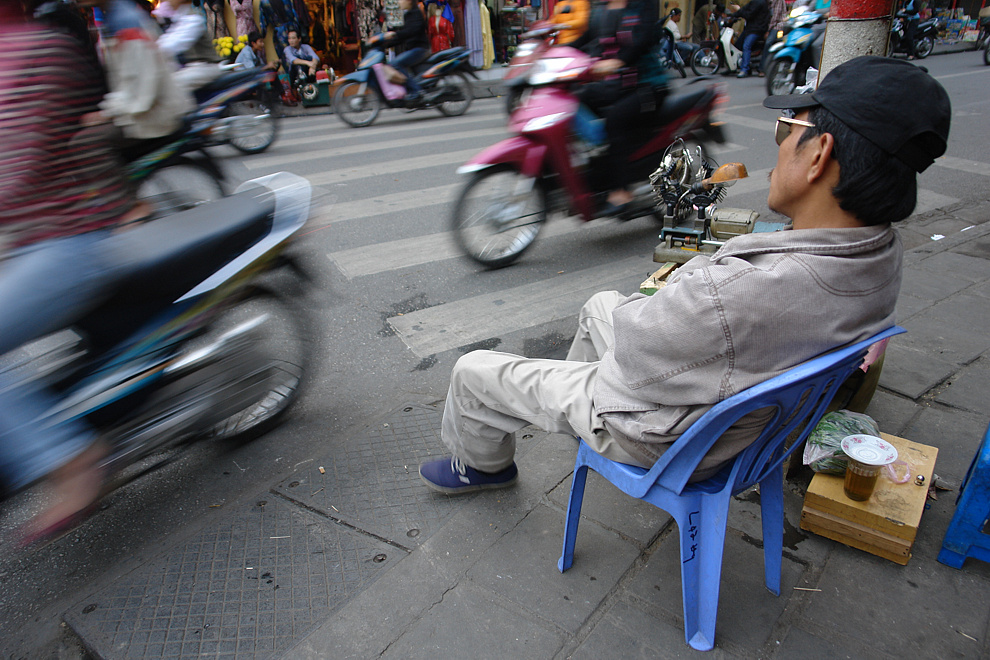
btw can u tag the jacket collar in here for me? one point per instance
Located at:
(833, 242)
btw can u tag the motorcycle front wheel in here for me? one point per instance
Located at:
(354, 108)
(498, 215)
(183, 184)
(705, 61)
(265, 132)
(782, 78)
(923, 47)
(458, 87)
(257, 382)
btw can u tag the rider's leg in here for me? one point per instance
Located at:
(405, 63)
(747, 52)
(631, 111)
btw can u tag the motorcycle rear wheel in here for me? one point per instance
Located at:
(498, 216)
(460, 83)
(267, 130)
(272, 365)
(356, 109)
(782, 78)
(924, 47)
(180, 186)
(705, 61)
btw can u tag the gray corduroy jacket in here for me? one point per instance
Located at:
(760, 305)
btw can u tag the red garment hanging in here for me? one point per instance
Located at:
(441, 33)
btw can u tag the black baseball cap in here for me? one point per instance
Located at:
(892, 103)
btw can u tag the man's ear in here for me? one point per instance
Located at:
(818, 151)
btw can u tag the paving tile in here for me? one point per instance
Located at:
(968, 389)
(828, 645)
(892, 412)
(908, 306)
(628, 632)
(745, 516)
(950, 329)
(747, 611)
(909, 611)
(613, 509)
(943, 225)
(912, 237)
(964, 267)
(973, 213)
(978, 248)
(470, 622)
(522, 567)
(911, 370)
(955, 433)
(919, 281)
(272, 572)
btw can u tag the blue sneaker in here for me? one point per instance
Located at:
(452, 476)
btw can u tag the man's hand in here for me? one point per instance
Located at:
(93, 118)
(603, 68)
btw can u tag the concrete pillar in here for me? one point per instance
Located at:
(854, 28)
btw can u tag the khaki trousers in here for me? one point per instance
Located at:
(492, 395)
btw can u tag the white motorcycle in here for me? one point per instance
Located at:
(709, 59)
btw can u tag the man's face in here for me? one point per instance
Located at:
(294, 39)
(258, 46)
(676, 18)
(787, 179)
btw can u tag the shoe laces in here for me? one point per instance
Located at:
(458, 466)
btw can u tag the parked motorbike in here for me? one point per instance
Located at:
(188, 345)
(924, 36)
(799, 51)
(707, 60)
(554, 158)
(533, 45)
(443, 77)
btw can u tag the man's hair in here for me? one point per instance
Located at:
(874, 186)
(254, 35)
(291, 31)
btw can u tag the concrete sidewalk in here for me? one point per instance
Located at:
(352, 557)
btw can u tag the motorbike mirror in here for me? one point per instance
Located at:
(726, 175)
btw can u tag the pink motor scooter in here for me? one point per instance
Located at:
(551, 162)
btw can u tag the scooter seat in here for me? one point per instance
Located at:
(171, 255)
(676, 106)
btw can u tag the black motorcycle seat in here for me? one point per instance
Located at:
(675, 106)
(224, 81)
(172, 254)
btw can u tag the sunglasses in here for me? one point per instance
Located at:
(783, 128)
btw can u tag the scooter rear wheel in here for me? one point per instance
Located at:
(498, 215)
(705, 61)
(356, 109)
(257, 384)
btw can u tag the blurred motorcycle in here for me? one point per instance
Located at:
(924, 36)
(188, 345)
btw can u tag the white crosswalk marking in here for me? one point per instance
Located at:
(964, 165)
(462, 322)
(390, 168)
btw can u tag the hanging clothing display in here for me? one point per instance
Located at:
(216, 26)
(244, 16)
(488, 49)
(441, 30)
(472, 32)
(278, 16)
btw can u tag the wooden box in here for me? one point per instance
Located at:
(886, 524)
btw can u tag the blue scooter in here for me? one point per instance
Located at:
(799, 50)
(443, 77)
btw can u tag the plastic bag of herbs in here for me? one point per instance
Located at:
(823, 450)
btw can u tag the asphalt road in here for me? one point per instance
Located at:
(378, 247)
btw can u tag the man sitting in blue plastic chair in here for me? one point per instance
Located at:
(642, 369)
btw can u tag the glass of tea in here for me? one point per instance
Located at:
(867, 455)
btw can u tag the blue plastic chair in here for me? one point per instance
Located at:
(965, 536)
(800, 397)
